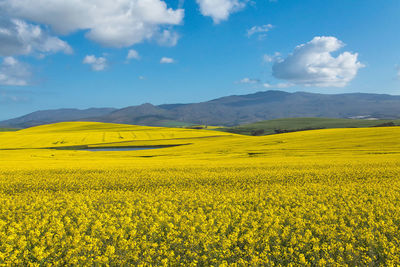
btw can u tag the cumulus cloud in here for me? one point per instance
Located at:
(260, 30)
(249, 81)
(167, 60)
(20, 38)
(220, 10)
(312, 64)
(132, 54)
(96, 63)
(119, 23)
(14, 73)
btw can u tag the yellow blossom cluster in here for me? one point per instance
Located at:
(202, 216)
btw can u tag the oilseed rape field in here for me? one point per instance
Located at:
(199, 197)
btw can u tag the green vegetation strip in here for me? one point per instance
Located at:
(8, 129)
(303, 124)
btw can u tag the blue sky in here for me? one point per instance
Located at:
(58, 55)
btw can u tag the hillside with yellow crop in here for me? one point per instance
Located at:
(200, 197)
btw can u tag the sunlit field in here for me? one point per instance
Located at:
(315, 198)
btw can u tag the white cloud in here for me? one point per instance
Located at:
(249, 81)
(167, 38)
(14, 73)
(398, 72)
(142, 78)
(167, 60)
(271, 58)
(132, 54)
(220, 10)
(258, 82)
(278, 85)
(97, 63)
(260, 30)
(119, 23)
(312, 64)
(20, 38)
(13, 96)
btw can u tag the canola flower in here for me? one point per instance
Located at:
(246, 201)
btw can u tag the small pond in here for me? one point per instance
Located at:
(112, 148)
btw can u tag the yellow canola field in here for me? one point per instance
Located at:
(315, 198)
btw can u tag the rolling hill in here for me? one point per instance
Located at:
(72, 134)
(230, 110)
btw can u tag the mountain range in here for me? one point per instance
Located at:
(229, 110)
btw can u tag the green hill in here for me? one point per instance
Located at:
(8, 129)
(302, 124)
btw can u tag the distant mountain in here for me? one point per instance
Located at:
(53, 116)
(145, 114)
(232, 110)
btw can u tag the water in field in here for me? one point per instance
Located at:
(119, 148)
